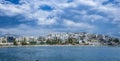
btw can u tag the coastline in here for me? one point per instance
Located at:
(51, 46)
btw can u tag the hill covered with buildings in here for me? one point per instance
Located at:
(61, 38)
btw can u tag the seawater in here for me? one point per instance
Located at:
(60, 53)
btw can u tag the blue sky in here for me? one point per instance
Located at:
(38, 17)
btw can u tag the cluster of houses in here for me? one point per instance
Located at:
(7, 40)
(64, 38)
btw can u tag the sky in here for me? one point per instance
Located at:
(39, 17)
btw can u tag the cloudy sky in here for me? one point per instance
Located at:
(37, 17)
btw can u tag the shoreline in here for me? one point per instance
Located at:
(52, 45)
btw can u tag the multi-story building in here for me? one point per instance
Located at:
(3, 40)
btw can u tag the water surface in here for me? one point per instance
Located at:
(60, 53)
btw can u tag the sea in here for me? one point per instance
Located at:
(60, 53)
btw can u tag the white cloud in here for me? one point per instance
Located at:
(46, 21)
(10, 9)
(87, 2)
(80, 25)
(110, 9)
(26, 30)
(94, 18)
(30, 9)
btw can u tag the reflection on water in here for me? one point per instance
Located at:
(60, 53)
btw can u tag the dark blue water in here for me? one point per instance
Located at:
(60, 53)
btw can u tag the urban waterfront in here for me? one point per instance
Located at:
(60, 38)
(60, 53)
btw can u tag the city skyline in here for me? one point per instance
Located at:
(36, 17)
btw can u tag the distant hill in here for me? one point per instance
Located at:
(8, 34)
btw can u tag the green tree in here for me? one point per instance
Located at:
(24, 42)
(116, 40)
(15, 42)
(72, 41)
(49, 41)
(33, 43)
